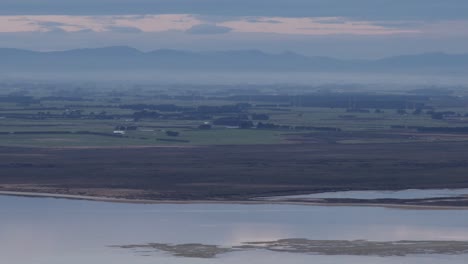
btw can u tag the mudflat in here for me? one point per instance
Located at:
(228, 173)
(306, 246)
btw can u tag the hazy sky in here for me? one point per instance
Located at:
(339, 28)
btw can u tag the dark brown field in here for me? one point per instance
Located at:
(233, 172)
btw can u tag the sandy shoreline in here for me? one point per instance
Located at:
(252, 202)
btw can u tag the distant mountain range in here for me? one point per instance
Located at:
(122, 58)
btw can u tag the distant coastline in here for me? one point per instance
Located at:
(246, 202)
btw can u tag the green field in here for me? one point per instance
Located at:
(58, 117)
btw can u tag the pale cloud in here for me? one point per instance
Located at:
(199, 25)
(147, 23)
(193, 24)
(11, 24)
(159, 23)
(208, 29)
(124, 29)
(262, 20)
(312, 26)
(47, 23)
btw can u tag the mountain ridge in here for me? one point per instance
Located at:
(128, 58)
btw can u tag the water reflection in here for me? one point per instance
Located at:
(52, 231)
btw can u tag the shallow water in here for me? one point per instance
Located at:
(54, 231)
(368, 195)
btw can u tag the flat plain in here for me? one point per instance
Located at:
(230, 144)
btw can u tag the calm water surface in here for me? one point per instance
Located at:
(403, 194)
(53, 231)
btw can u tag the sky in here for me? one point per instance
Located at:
(337, 28)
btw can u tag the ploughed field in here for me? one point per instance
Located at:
(235, 173)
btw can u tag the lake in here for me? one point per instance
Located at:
(57, 231)
(369, 195)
